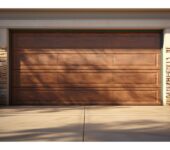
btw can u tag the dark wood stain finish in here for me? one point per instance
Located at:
(85, 68)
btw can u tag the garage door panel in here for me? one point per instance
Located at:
(44, 79)
(136, 78)
(34, 78)
(93, 96)
(114, 79)
(85, 59)
(24, 60)
(130, 60)
(85, 78)
(47, 39)
(88, 61)
(137, 96)
(86, 51)
(63, 97)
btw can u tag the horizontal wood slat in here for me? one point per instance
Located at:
(88, 40)
(125, 59)
(87, 79)
(91, 96)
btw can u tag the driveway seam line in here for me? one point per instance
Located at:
(84, 120)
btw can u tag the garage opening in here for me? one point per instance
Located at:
(85, 67)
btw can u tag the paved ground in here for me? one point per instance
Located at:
(102, 123)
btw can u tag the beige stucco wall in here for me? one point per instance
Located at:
(84, 21)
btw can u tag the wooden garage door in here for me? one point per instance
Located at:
(85, 67)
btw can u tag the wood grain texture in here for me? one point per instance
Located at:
(90, 96)
(78, 40)
(118, 78)
(78, 68)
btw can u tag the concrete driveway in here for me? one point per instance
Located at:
(95, 123)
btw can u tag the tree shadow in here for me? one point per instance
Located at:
(40, 110)
(144, 130)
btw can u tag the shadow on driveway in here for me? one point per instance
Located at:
(150, 131)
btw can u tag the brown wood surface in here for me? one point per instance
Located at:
(85, 68)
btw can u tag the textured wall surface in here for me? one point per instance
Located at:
(3, 76)
(168, 75)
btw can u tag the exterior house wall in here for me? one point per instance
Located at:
(84, 20)
(167, 50)
(3, 67)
